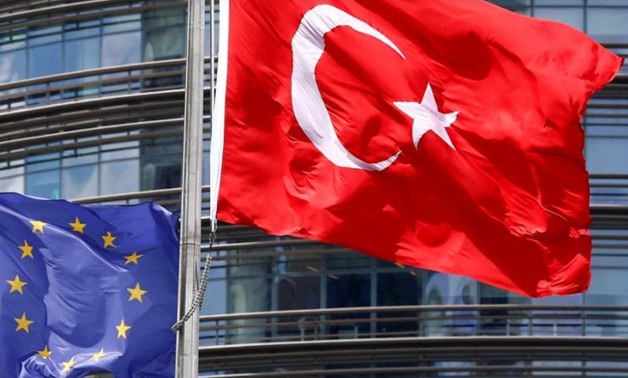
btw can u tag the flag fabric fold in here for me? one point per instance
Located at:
(86, 288)
(438, 134)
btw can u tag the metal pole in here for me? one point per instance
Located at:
(187, 337)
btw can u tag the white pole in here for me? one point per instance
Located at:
(187, 337)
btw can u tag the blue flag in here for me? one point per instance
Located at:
(86, 289)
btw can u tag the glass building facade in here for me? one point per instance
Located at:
(91, 109)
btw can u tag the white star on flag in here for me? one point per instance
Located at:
(427, 117)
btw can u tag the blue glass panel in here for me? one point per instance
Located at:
(51, 54)
(45, 35)
(82, 54)
(12, 66)
(607, 154)
(570, 16)
(607, 21)
(119, 177)
(81, 156)
(608, 286)
(164, 35)
(12, 180)
(119, 49)
(75, 30)
(558, 2)
(208, 29)
(79, 182)
(120, 23)
(43, 184)
(10, 44)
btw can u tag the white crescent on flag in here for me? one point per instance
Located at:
(309, 109)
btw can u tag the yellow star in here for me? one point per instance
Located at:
(16, 285)
(136, 293)
(132, 258)
(108, 239)
(68, 365)
(98, 355)
(23, 323)
(44, 353)
(27, 250)
(77, 226)
(122, 328)
(38, 226)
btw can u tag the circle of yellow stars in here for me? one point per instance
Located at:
(17, 286)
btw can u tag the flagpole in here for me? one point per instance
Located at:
(187, 336)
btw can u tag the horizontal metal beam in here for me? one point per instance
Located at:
(32, 17)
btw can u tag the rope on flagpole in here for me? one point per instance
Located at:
(199, 296)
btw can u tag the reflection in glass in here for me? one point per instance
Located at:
(79, 182)
(80, 156)
(121, 150)
(81, 29)
(51, 54)
(349, 290)
(119, 23)
(43, 35)
(209, 30)
(298, 282)
(161, 161)
(164, 34)
(248, 292)
(12, 180)
(12, 66)
(43, 184)
(119, 49)
(119, 177)
(82, 54)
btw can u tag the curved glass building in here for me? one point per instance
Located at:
(91, 109)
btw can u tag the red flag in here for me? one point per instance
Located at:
(438, 134)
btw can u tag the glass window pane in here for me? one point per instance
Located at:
(116, 151)
(165, 34)
(43, 184)
(125, 22)
(12, 180)
(80, 156)
(346, 261)
(9, 44)
(607, 287)
(558, 2)
(399, 288)
(607, 2)
(119, 49)
(348, 290)
(607, 21)
(75, 30)
(519, 6)
(79, 182)
(39, 36)
(607, 154)
(82, 54)
(119, 177)
(12, 66)
(299, 282)
(570, 16)
(216, 31)
(51, 54)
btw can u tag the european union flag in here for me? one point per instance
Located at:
(86, 289)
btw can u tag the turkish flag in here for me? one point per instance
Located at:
(441, 134)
